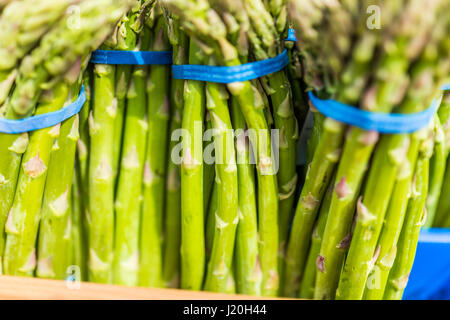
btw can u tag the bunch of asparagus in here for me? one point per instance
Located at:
(357, 240)
(122, 161)
(249, 211)
(44, 52)
(164, 182)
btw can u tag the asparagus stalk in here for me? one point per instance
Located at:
(128, 31)
(208, 166)
(55, 226)
(437, 171)
(211, 222)
(81, 197)
(415, 218)
(127, 207)
(83, 141)
(253, 112)
(101, 184)
(281, 98)
(192, 216)
(79, 241)
(226, 219)
(315, 134)
(80, 194)
(172, 225)
(9, 171)
(101, 175)
(150, 273)
(248, 269)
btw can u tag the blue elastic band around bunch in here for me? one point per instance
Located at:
(221, 74)
(243, 72)
(389, 123)
(131, 57)
(42, 121)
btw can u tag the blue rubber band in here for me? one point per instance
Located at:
(43, 121)
(291, 36)
(391, 123)
(243, 72)
(446, 87)
(131, 57)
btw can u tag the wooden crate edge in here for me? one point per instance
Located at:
(19, 288)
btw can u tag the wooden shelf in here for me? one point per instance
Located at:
(18, 288)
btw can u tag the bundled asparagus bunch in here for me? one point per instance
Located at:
(129, 139)
(215, 212)
(241, 210)
(397, 66)
(49, 52)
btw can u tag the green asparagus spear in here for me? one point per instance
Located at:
(437, 171)
(128, 31)
(208, 166)
(192, 216)
(226, 219)
(443, 204)
(101, 184)
(281, 98)
(101, 175)
(83, 142)
(151, 241)
(79, 241)
(172, 223)
(211, 222)
(248, 269)
(127, 201)
(55, 227)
